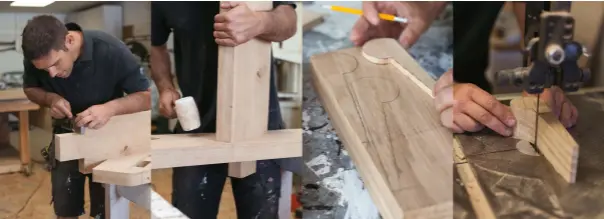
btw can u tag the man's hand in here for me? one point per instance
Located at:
(419, 15)
(60, 108)
(561, 107)
(95, 117)
(466, 107)
(237, 24)
(166, 103)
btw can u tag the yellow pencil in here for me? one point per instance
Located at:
(387, 17)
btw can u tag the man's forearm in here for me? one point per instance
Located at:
(278, 24)
(160, 68)
(39, 96)
(131, 103)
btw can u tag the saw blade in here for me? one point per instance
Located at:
(537, 125)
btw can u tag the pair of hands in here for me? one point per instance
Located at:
(419, 14)
(468, 108)
(94, 117)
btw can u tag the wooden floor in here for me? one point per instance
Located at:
(29, 197)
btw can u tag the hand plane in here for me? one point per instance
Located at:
(70, 124)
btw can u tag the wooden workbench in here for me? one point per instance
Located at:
(516, 185)
(11, 101)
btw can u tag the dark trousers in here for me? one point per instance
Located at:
(68, 186)
(197, 189)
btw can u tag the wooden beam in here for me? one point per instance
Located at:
(243, 93)
(380, 102)
(202, 149)
(176, 150)
(132, 170)
(121, 136)
(553, 140)
(481, 205)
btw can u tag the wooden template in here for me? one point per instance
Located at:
(380, 102)
(124, 152)
(554, 142)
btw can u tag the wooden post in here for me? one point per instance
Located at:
(243, 93)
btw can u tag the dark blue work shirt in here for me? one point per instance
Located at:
(105, 70)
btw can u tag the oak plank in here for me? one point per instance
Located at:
(380, 103)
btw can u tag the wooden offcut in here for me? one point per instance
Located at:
(554, 142)
(380, 102)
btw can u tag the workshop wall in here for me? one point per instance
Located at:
(11, 26)
(109, 18)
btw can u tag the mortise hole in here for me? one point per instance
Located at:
(143, 163)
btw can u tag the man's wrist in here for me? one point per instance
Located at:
(49, 98)
(164, 85)
(264, 19)
(112, 107)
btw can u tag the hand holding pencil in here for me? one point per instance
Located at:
(405, 21)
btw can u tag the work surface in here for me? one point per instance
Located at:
(523, 186)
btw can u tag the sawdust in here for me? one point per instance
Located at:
(526, 147)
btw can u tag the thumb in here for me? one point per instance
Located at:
(228, 5)
(370, 12)
(410, 35)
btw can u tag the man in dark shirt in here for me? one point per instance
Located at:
(79, 75)
(198, 29)
(463, 98)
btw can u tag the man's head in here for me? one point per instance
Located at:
(49, 46)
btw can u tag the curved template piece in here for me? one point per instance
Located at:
(553, 140)
(387, 122)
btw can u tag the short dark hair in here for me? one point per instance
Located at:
(42, 34)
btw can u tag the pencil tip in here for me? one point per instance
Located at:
(326, 6)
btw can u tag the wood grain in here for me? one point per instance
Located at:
(556, 144)
(12, 94)
(388, 123)
(202, 149)
(522, 186)
(121, 136)
(243, 92)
